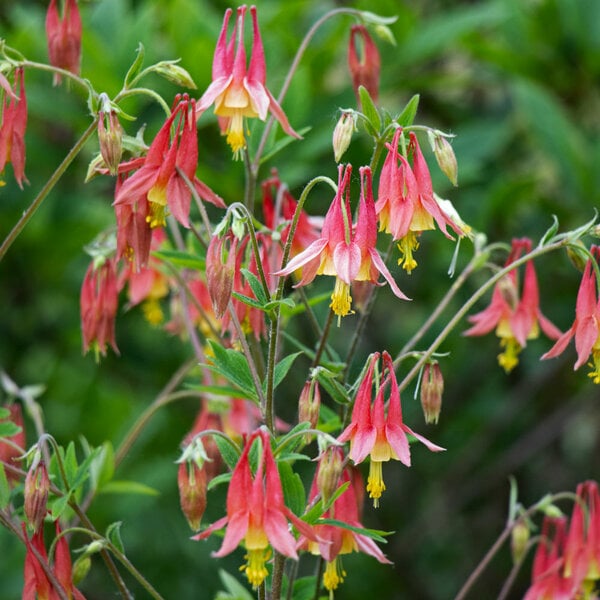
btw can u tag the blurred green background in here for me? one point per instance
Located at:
(517, 81)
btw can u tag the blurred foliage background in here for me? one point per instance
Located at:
(517, 81)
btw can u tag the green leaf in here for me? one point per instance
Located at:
(408, 114)
(228, 453)
(375, 534)
(113, 535)
(369, 109)
(218, 480)
(221, 390)
(60, 505)
(70, 463)
(293, 489)
(236, 590)
(375, 19)
(181, 259)
(136, 66)
(8, 429)
(319, 508)
(281, 144)
(234, 367)
(282, 368)
(550, 232)
(248, 301)
(4, 413)
(102, 467)
(255, 285)
(4, 489)
(290, 441)
(287, 302)
(332, 386)
(129, 487)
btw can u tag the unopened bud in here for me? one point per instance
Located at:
(432, 388)
(81, 567)
(444, 154)
(331, 465)
(191, 481)
(37, 485)
(364, 69)
(519, 539)
(578, 258)
(9, 446)
(309, 405)
(110, 136)
(342, 134)
(220, 274)
(170, 70)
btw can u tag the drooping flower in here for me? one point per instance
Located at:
(157, 187)
(99, 304)
(586, 326)
(374, 433)
(238, 91)
(364, 68)
(64, 37)
(346, 252)
(516, 319)
(13, 446)
(13, 117)
(333, 540)
(406, 204)
(256, 512)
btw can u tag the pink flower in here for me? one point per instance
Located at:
(373, 433)
(346, 252)
(237, 91)
(586, 327)
(64, 37)
(256, 512)
(406, 205)
(12, 129)
(157, 187)
(516, 319)
(364, 69)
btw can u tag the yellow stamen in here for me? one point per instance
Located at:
(255, 567)
(157, 198)
(235, 133)
(595, 374)
(407, 245)
(341, 300)
(334, 575)
(508, 359)
(152, 311)
(375, 485)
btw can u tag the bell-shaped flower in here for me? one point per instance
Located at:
(586, 326)
(374, 433)
(256, 512)
(239, 91)
(64, 37)
(406, 204)
(333, 540)
(13, 118)
(157, 186)
(366, 65)
(515, 319)
(347, 252)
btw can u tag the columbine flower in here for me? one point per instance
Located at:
(364, 69)
(586, 327)
(516, 320)
(64, 37)
(13, 446)
(157, 186)
(12, 130)
(237, 91)
(256, 513)
(373, 433)
(346, 252)
(333, 541)
(406, 204)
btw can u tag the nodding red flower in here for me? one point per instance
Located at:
(157, 186)
(365, 68)
(333, 541)
(13, 446)
(99, 304)
(586, 326)
(345, 251)
(64, 37)
(515, 319)
(406, 204)
(12, 129)
(256, 512)
(373, 433)
(238, 91)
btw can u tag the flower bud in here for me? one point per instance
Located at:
(331, 464)
(519, 539)
(309, 404)
(110, 136)
(364, 70)
(342, 134)
(10, 444)
(37, 485)
(445, 156)
(191, 481)
(432, 387)
(220, 274)
(81, 567)
(170, 70)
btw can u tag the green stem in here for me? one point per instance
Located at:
(318, 578)
(323, 341)
(57, 71)
(29, 212)
(277, 578)
(144, 92)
